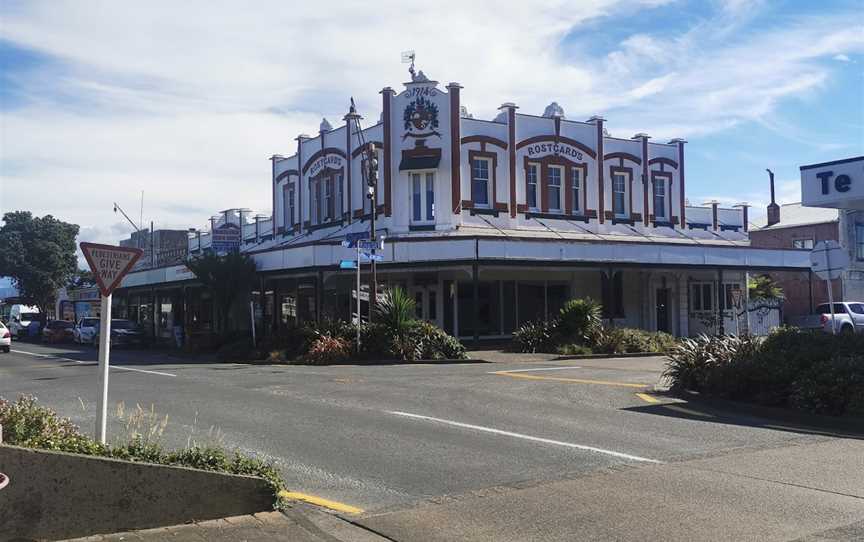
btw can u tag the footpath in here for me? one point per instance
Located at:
(297, 524)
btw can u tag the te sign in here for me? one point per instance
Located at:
(838, 184)
(109, 264)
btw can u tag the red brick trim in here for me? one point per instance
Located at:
(467, 204)
(566, 140)
(591, 213)
(323, 152)
(455, 148)
(521, 207)
(359, 150)
(601, 185)
(645, 179)
(387, 97)
(663, 160)
(484, 139)
(623, 156)
(511, 134)
(681, 176)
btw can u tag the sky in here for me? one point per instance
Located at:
(186, 101)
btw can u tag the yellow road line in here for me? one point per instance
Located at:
(319, 501)
(573, 380)
(647, 398)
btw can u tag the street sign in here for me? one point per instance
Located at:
(109, 263)
(347, 264)
(356, 236)
(828, 260)
(373, 257)
(370, 245)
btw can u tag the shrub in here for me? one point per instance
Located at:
(433, 343)
(535, 337)
(578, 321)
(574, 350)
(376, 342)
(801, 369)
(25, 423)
(327, 350)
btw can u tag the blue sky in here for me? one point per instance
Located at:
(186, 101)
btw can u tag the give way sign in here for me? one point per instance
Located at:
(828, 260)
(109, 263)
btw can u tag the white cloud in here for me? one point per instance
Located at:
(842, 58)
(187, 100)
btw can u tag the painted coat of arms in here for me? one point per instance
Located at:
(421, 115)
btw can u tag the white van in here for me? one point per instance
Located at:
(23, 321)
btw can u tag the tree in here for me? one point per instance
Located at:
(39, 255)
(764, 287)
(82, 278)
(226, 277)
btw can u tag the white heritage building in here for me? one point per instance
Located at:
(494, 223)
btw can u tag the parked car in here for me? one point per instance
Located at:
(57, 331)
(5, 338)
(23, 321)
(123, 333)
(85, 330)
(849, 316)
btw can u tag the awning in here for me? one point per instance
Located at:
(419, 162)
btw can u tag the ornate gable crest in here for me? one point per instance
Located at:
(421, 118)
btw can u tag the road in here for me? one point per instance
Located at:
(405, 442)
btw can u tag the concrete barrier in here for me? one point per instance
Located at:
(58, 495)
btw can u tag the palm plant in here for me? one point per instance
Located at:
(396, 311)
(579, 321)
(764, 287)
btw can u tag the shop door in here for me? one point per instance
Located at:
(663, 309)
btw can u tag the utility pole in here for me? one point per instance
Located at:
(371, 180)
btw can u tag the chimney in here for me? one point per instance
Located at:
(773, 208)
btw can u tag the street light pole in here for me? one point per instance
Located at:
(371, 180)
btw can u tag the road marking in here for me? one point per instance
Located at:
(118, 367)
(573, 380)
(320, 501)
(523, 436)
(647, 398)
(532, 370)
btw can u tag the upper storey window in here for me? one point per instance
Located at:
(576, 189)
(619, 195)
(289, 205)
(423, 198)
(554, 187)
(660, 199)
(531, 176)
(480, 181)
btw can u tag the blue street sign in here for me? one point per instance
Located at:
(348, 264)
(376, 257)
(352, 238)
(370, 245)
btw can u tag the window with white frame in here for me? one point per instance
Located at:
(802, 243)
(553, 185)
(337, 200)
(659, 198)
(531, 178)
(701, 296)
(619, 195)
(327, 204)
(423, 198)
(576, 189)
(480, 181)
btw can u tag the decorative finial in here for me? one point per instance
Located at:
(553, 110)
(325, 126)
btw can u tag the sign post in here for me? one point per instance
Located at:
(109, 265)
(828, 260)
(736, 305)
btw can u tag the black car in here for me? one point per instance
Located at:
(123, 333)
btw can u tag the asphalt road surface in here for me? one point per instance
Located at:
(395, 438)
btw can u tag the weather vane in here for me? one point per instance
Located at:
(409, 56)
